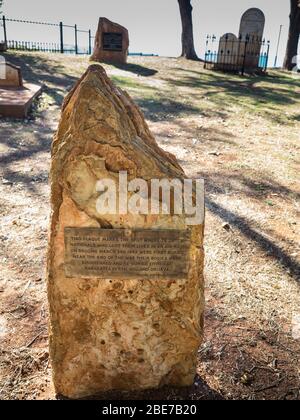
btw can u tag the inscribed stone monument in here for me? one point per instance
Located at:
(251, 34)
(10, 75)
(228, 54)
(125, 290)
(252, 23)
(111, 43)
(16, 97)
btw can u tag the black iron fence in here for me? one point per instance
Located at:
(76, 46)
(33, 46)
(239, 55)
(58, 47)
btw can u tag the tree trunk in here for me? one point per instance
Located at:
(293, 39)
(188, 49)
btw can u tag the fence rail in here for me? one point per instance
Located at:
(33, 46)
(52, 47)
(32, 22)
(56, 47)
(240, 55)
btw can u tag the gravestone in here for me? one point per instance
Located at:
(228, 54)
(252, 23)
(251, 34)
(10, 75)
(125, 289)
(111, 43)
(16, 97)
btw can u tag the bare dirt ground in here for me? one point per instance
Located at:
(239, 133)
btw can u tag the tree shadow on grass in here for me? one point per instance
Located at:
(136, 69)
(264, 94)
(242, 224)
(37, 70)
(220, 183)
(24, 150)
(242, 186)
(21, 151)
(162, 109)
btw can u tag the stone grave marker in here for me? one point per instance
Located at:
(10, 75)
(125, 289)
(228, 54)
(111, 43)
(252, 28)
(252, 23)
(16, 97)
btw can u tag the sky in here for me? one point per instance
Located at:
(154, 25)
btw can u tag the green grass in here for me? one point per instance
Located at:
(184, 88)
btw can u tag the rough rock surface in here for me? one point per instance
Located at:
(104, 56)
(115, 334)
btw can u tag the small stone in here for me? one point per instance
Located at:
(214, 153)
(226, 226)
(246, 379)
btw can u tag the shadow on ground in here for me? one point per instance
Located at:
(268, 246)
(199, 391)
(35, 69)
(266, 94)
(136, 69)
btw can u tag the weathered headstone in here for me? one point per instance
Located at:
(16, 97)
(125, 288)
(251, 34)
(111, 43)
(252, 23)
(228, 54)
(10, 75)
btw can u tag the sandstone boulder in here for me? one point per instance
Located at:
(115, 334)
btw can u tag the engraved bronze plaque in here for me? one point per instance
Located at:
(126, 254)
(112, 41)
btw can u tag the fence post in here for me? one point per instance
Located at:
(245, 54)
(4, 29)
(76, 40)
(90, 42)
(61, 26)
(267, 59)
(207, 52)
